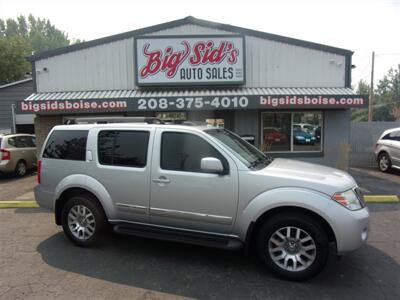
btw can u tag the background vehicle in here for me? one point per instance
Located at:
(274, 135)
(17, 153)
(387, 150)
(199, 185)
(304, 138)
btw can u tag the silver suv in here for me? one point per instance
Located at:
(387, 150)
(199, 185)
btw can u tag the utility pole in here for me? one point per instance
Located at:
(371, 89)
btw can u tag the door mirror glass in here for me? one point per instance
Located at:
(211, 165)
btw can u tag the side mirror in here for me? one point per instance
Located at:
(211, 165)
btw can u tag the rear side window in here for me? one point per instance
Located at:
(66, 144)
(123, 148)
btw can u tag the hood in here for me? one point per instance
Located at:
(301, 174)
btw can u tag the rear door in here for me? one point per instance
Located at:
(123, 167)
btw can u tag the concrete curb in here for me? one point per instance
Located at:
(18, 204)
(381, 198)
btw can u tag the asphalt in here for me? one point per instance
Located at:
(38, 262)
(375, 182)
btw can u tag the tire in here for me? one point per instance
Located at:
(20, 169)
(311, 255)
(83, 232)
(384, 162)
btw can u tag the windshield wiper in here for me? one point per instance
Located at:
(262, 160)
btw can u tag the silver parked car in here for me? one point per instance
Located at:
(199, 185)
(387, 150)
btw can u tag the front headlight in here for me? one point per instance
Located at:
(299, 137)
(348, 199)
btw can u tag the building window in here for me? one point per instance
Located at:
(172, 116)
(291, 132)
(220, 123)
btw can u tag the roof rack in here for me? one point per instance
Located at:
(106, 120)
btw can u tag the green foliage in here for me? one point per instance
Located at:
(386, 100)
(21, 38)
(13, 64)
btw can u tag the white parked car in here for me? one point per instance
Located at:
(387, 150)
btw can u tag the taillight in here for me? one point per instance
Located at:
(39, 170)
(5, 154)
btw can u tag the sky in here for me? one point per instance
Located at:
(362, 26)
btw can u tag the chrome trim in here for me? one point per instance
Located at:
(191, 216)
(114, 222)
(136, 208)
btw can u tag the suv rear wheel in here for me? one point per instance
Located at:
(83, 220)
(384, 162)
(293, 246)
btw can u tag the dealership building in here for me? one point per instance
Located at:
(289, 97)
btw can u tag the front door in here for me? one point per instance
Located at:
(184, 196)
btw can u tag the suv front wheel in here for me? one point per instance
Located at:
(293, 246)
(83, 220)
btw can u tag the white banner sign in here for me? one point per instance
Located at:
(194, 60)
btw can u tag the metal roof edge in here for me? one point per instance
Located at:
(193, 21)
(15, 83)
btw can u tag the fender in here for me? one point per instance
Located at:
(286, 196)
(90, 184)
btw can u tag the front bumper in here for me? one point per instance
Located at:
(350, 227)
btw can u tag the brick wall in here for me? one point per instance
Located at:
(43, 125)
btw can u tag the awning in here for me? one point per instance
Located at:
(182, 100)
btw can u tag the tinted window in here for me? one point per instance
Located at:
(22, 142)
(183, 152)
(11, 142)
(66, 144)
(394, 136)
(123, 148)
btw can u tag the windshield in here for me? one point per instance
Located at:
(245, 152)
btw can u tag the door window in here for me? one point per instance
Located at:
(184, 151)
(123, 148)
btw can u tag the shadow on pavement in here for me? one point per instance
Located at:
(6, 178)
(208, 273)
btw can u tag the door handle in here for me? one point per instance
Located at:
(161, 179)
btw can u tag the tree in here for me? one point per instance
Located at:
(13, 65)
(21, 38)
(361, 114)
(386, 101)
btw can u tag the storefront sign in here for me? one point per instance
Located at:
(193, 103)
(194, 60)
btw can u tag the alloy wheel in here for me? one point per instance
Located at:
(292, 249)
(81, 222)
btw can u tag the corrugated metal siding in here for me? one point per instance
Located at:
(126, 94)
(268, 64)
(8, 96)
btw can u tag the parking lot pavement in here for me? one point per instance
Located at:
(12, 187)
(38, 262)
(377, 182)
